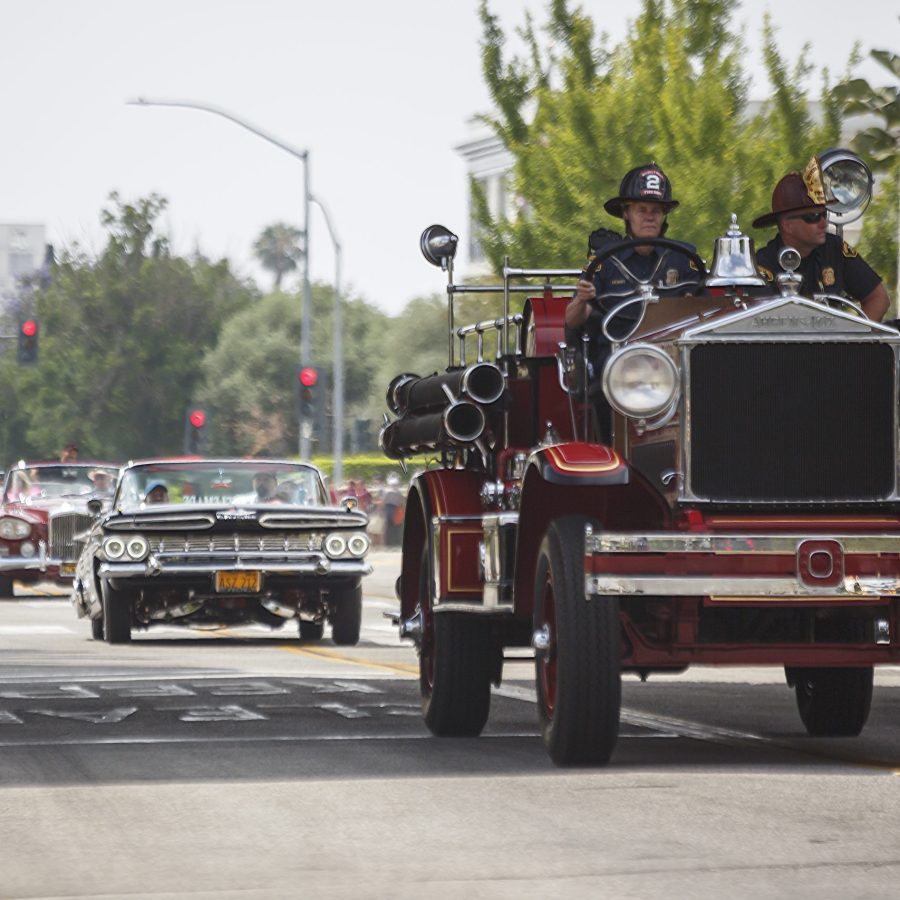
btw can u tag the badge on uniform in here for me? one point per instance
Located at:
(828, 276)
(671, 277)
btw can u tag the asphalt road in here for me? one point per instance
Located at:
(244, 763)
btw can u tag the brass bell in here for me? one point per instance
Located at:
(734, 261)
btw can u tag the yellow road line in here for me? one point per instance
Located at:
(322, 653)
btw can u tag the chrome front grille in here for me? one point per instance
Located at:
(62, 529)
(244, 544)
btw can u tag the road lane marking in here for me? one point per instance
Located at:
(406, 669)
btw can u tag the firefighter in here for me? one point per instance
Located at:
(829, 265)
(643, 203)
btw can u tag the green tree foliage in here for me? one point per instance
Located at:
(279, 250)
(880, 144)
(577, 114)
(249, 377)
(120, 344)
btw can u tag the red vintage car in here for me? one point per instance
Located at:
(43, 506)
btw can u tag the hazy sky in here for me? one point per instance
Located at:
(379, 93)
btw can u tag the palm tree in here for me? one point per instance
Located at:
(279, 249)
(879, 143)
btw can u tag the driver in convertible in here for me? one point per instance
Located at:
(644, 202)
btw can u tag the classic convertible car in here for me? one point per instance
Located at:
(222, 542)
(42, 507)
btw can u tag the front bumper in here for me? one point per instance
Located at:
(753, 567)
(41, 563)
(154, 567)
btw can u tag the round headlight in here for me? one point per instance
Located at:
(358, 544)
(114, 547)
(14, 529)
(137, 547)
(27, 548)
(640, 381)
(335, 545)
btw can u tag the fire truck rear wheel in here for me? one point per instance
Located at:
(833, 702)
(97, 628)
(456, 667)
(116, 614)
(577, 653)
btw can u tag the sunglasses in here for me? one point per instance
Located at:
(811, 218)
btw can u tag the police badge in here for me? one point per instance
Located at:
(671, 277)
(828, 276)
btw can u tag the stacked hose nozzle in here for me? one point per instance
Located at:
(439, 412)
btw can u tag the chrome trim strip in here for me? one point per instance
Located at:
(753, 544)
(851, 588)
(460, 606)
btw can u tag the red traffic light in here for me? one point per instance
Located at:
(308, 376)
(29, 328)
(197, 418)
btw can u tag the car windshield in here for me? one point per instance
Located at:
(228, 483)
(29, 484)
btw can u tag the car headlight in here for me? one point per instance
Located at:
(640, 381)
(137, 548)
(335, 545)
(358, 544)
(114, 548)
(13, 528)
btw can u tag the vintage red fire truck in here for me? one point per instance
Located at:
(746, 511)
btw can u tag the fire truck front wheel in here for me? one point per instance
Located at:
(577, 653)
(833, 702)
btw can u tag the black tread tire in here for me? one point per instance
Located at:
(834, 702)
(311, 631)
(116, 614)
(6, 586)
(456, 696)
(346, 619)
(582, 667)
(97, 628)
(455, 667)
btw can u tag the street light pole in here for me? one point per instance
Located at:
(303, 155)
(337, 406)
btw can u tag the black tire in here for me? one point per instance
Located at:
(97, 629)
(455, 667)
(579, 671)
(834, 702)
(346, 617)
(311, 631)
(116, 614)
(6, 586)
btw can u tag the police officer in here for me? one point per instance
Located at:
(829, 265)
(644, 201)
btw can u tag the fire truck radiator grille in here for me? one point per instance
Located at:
(791, 422)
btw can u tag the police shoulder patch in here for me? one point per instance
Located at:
(848, 250)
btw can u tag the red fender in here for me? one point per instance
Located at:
(579, 479)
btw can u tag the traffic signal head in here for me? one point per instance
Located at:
(28, 341)
(196, 424)
(307, 377)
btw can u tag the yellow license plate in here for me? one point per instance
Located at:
(238, 582)
(67, 569)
